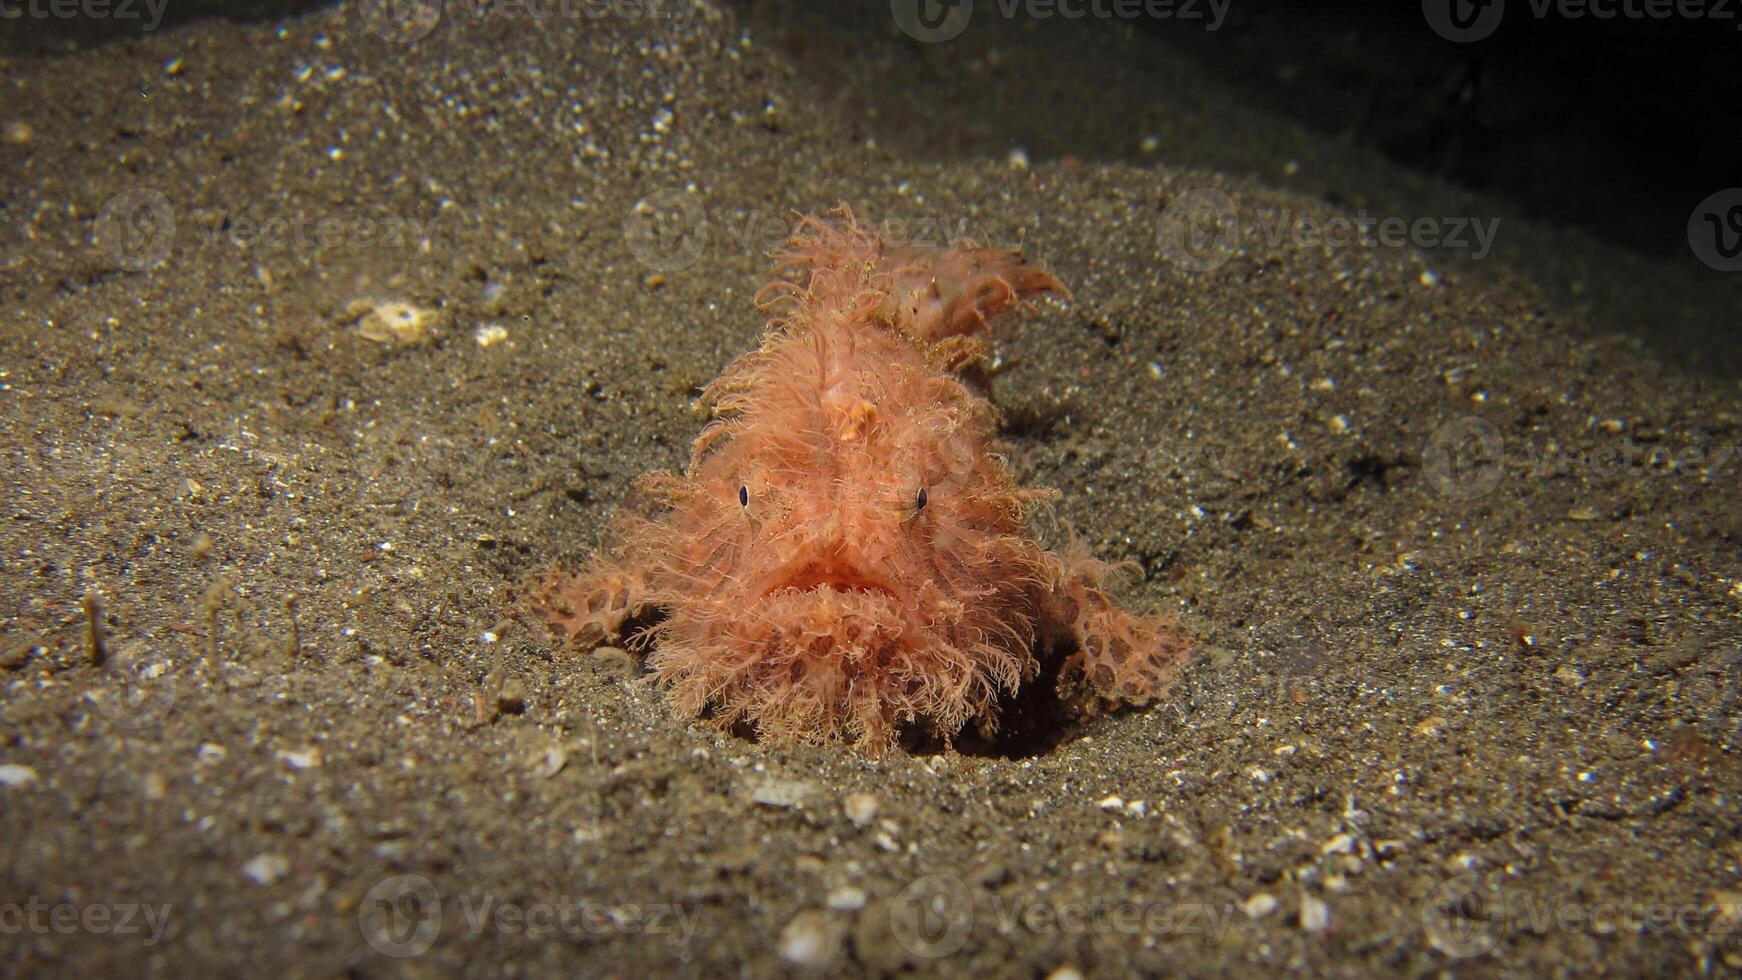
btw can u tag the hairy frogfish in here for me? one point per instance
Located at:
(847, 557)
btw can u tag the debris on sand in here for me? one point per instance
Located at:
(393, 321)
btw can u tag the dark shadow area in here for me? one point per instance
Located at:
(45, 27)
(1031, 724)
(1617, 126)
(1588, 142)
(1614, 125)
(1604, 134)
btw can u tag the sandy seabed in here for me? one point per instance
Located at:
(317, 343)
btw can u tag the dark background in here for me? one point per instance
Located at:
(1616, 128)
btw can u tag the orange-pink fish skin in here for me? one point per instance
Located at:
(800, 582)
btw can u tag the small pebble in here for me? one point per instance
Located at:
(393, 322)
(307, 759)
(266, 868)
(781, 793)
(1066, 972)
(12, 775)
(1259, 905)
(846, 898)
(1340, 844)
(550, 762)
(812, 939)
(1315, 915)
(615, 658)
(861, 808)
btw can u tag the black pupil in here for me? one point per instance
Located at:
(922, 498)
(743, 496)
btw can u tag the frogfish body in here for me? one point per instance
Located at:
(846, 557)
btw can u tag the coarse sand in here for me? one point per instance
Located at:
(318, 343)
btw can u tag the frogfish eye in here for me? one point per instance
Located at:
(743, 496)
(922, 498)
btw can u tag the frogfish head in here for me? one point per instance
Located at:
(848, 565)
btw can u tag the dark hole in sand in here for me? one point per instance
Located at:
(1031, 723)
